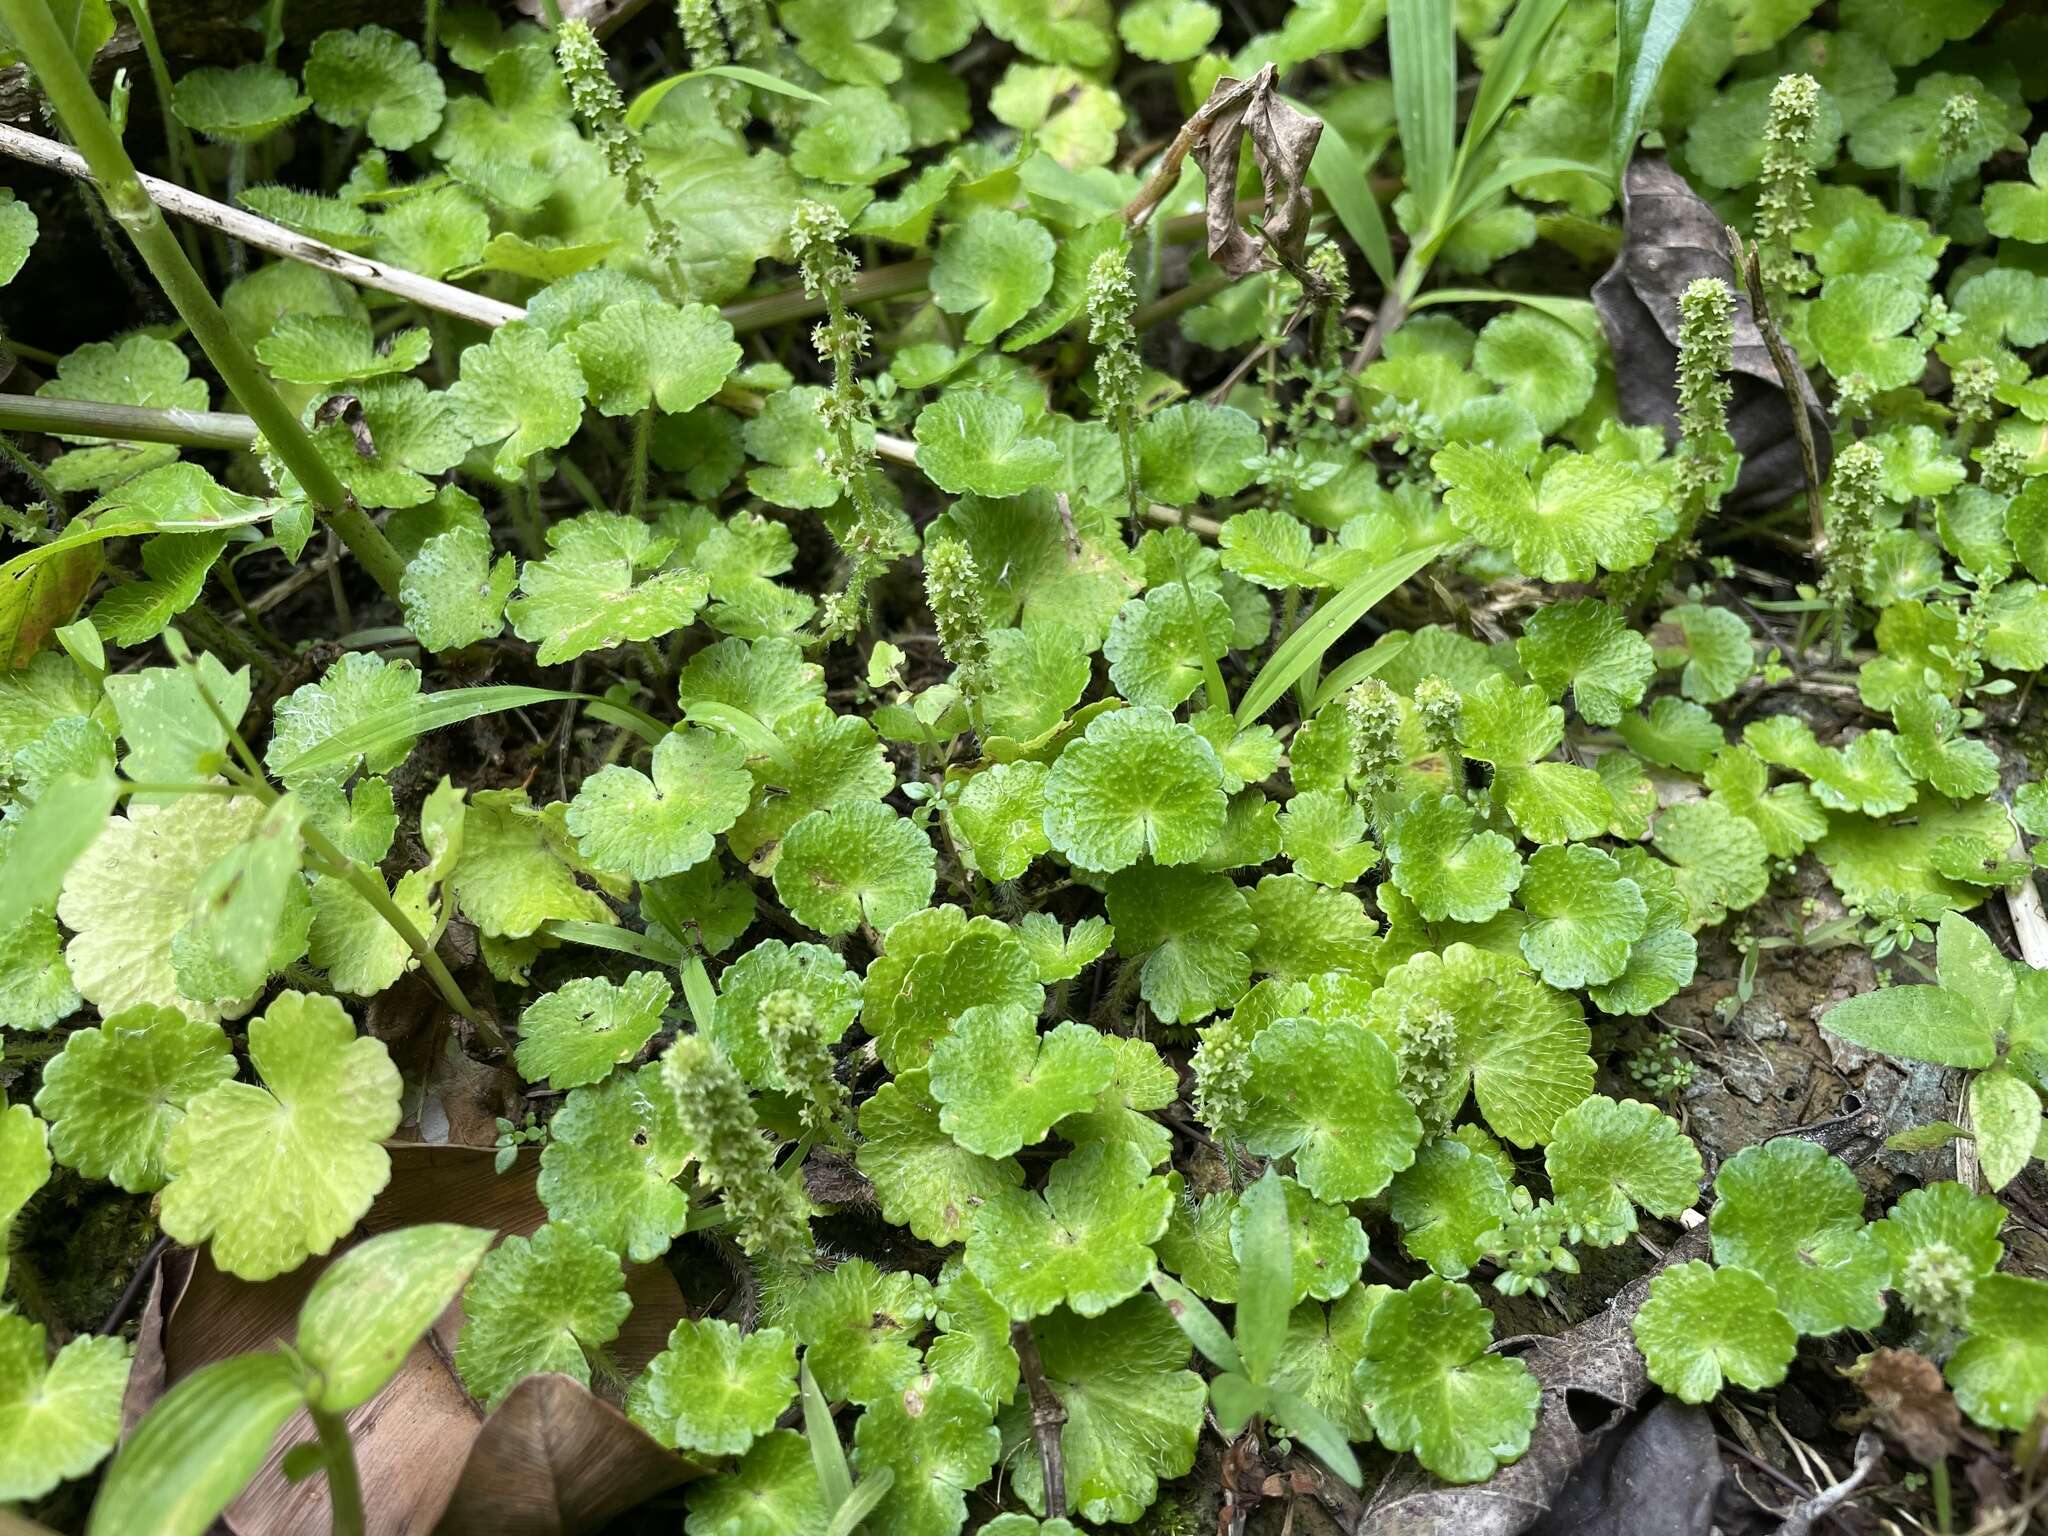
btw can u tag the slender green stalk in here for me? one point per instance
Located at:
(344, 1487)
(185, 166)
(636, 493)
(79, 109)
(370, 886)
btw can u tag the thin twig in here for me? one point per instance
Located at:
(275, 238)
(126, 1303)
(1048, 1414)
(1799, 1520)
(1795, 384)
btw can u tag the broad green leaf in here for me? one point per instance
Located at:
(1701, 1328)
(198, 1447)
(1001, 1086)
(647, 827)
(924, 1179)
(993, 266)
(1329, 1094)
(1446, 866)
(1161, 645)
(816, 974)
(773, 1491)
(371, 1305)
(1792, 1213)
(858, 1325)
(1587, 646)
(1447, 1204)
(578, 1033)
(1085, 1243)
(274, 1174)
(516, 867)
(939, 1442)
(1915, 1023)
(58, 1417)
(715, 1389)
(601, 585)
(2005, 1113)
(241, 106)
(638, 355)
(1137, 783)
(1430, 1387)
(116, 1091)
(132, 892)
(1584, 515)
(1134, 1410)
(977, 440)
(333, 349)
(614, 1152)
(1607, 1157)
(537, 1304)
(1942, 1240)
(1471, 1015)
(1584, 916)
(519, 391)
(854, 864)
(2000, 1372)
(49, 838)
(374, 79)
(1190, 933)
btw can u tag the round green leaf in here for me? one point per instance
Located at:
(715, 1389)
(1703, 1327)
(274, 1174)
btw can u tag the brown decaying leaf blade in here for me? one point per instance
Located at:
(1673, 237)
(1283, 143)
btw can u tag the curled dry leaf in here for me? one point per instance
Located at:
(553, 1459)
(1910, 1402)
(1673, 237)
(1283, 142)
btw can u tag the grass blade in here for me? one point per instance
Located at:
(1424, 48)
(1354, 670)
(867, 1493)
(643, 105)
(1521, 44)
(1308, 644)
(828, 1456)
(1265, 1285)
(429, 712)
(1646, 31)
(1204, 1329)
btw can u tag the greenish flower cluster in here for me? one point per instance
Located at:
(1785, 187)
(716, 1114)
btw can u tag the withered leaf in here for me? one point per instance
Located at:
(1283, 142)
(1910, 1402)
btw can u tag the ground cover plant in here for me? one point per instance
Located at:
(1024, 767)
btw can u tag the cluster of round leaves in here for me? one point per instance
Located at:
(1527, 859)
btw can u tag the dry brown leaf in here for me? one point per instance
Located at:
(1910, 1402)
(1673, 237)
(554, 1459)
